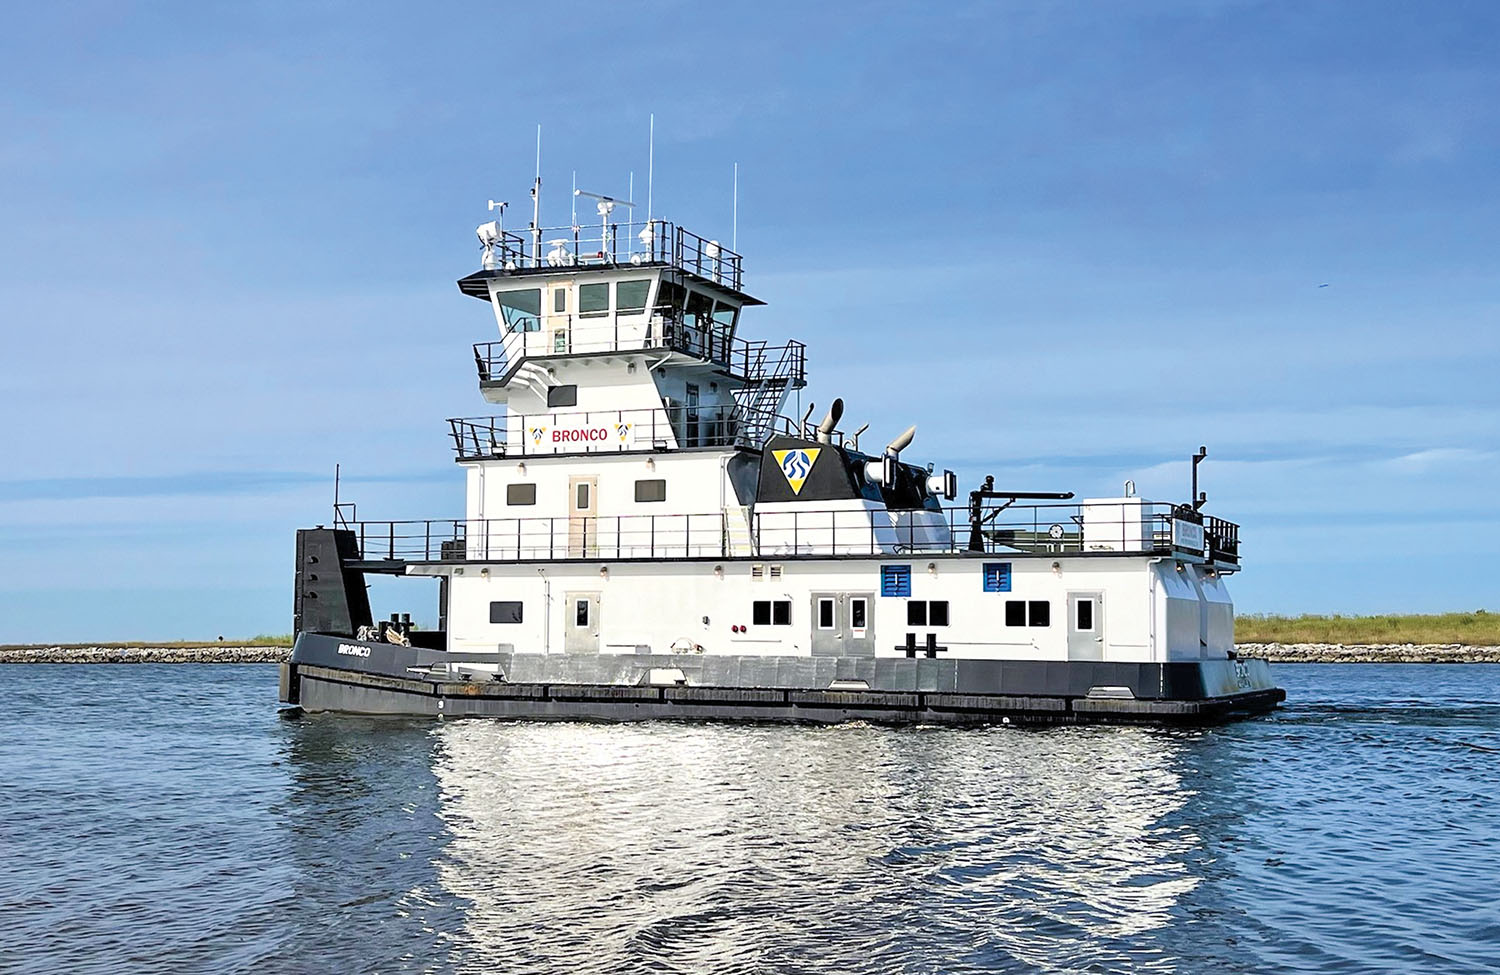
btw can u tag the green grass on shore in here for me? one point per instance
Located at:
(260, 640)
(1480, 629)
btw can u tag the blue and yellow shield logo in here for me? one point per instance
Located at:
(796, 464)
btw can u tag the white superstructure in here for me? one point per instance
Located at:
(650, 487)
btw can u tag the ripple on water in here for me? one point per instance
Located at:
(162, 818)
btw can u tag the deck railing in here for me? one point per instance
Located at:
(569, 334)
(1035, 529)
(627, 243)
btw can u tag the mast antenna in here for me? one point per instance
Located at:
(536, 204)
(574, 223)
(734, 234)
(650, 164)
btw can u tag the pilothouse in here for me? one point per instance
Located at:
(656, 527)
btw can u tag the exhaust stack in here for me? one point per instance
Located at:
(825, 429)
(883, 471)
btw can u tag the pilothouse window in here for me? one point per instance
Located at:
(521, 310)
(630, 296)
(593, 300)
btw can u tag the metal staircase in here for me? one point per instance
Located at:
(773, 373)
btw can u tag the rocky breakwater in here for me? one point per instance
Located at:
(213, 654)
(1373, 653)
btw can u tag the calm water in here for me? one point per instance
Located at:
(163, 818)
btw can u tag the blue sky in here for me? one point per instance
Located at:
(1070, 241)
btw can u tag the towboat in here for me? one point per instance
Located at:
(656, 528)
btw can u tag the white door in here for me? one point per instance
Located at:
(1085, 626)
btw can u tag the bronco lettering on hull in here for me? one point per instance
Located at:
(577, 436)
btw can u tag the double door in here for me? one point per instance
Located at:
(843, 624)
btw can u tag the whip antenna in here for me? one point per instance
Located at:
(536, 204)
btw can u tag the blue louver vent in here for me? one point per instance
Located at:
(895, 580)
(997, 577)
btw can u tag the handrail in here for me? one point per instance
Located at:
(628, 243)
(1034, 529)
(751, 361)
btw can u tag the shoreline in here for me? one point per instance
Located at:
(1288, 653)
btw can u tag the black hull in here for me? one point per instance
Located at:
(341, 675)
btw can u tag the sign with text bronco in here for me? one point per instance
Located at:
(561, 433)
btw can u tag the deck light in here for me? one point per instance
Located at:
(604, 572)
(1057, 568)
(521, 468)
(719, 571)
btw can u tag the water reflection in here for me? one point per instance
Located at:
(362, 829)
(708, 847)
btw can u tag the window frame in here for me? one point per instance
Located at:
(648, 483)
(620, 306)
(1017, 608)
(513, 608)
(585, 288)
(516, 317)
(562, 397)
(526, 489)
(864, 611)
(827, 603)
(1045, 615)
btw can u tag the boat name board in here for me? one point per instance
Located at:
(1187, 535)
(562, 433)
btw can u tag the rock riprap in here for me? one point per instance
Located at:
(218, 654)
(1373, 653)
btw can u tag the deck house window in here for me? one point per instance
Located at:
(1022, 612)
(921, 612)
(593, 300)
(559, 397)
(653, 490)
(700, 310)
(769, 612)
(630, 296)
(521, 310)
(520, 494)
(505, 612)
